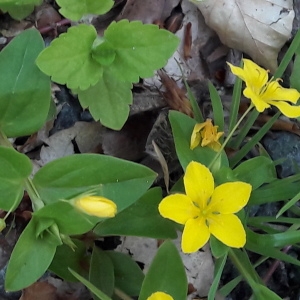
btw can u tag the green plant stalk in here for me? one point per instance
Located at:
(230, 135)
(288, 55)
(243, 271)
(37, 203)
(121, 294)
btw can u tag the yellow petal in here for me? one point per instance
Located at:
(275, 91)
(199, 183)
(97, 206)
(237, 71)
(230, 197)
(256, 77)
(196, 136)
(195, 235)
(256, 99)
(160, 296)
(228, 229)
(178, 208)
(291, 111)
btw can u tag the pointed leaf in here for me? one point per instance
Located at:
(74, 9)
(166, 273)
(256, 171)
(116, 179)
(65, 258)
(15, 168)
(90, 286)
(140, 49)
(30, 258)
(68, 59)
(24, 89)
(140, 219)
(128, 275)
(108, 100)
(102, 271)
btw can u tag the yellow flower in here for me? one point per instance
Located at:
(96, 206)
(206, 134)
(206, 210)
(160, 296)
(264, 93)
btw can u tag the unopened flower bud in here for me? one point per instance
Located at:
(96, 206)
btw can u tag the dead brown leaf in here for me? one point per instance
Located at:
(175, 96)
(38, 291)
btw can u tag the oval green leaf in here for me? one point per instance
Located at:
(30, 258)
(24, 89)
(128, 274)
(15, 168)
(65, 258)
(166, 273)
(121, 181)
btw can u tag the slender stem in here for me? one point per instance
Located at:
(274, 266)
(230, 135)
(121, 294)
(4, 140)
(239, 265)
(37, 203)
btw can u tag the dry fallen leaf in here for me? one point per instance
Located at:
(257, 27)
(39, 290)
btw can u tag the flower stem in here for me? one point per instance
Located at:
(121, 294)
(36, 201)
(230, 135)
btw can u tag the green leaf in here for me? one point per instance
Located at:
(256, 171)
(140, 49)
(90, 286)
(277, 190)
(288, 205)
(108, 100)
(254, 140)
(18, 9)
(128, 275)
(103, 53)
(263, 293)
(74, 9)
(69, 220)
(102, 271)
(219, 266)
(257, 244)
(116, 179)
(217, 107)
(166, 274)
(235, 103)
(294, 79)
(140, 219)
(218, 249)
(65, 258)
(182, 128)
(30, 258)
(68, 59)
(15, 168)
(24, 89)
